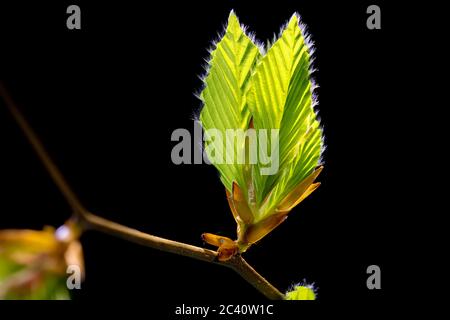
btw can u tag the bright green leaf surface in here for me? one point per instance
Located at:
(276, 91)
(281, 98)
(226, 85)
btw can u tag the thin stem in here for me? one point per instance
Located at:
(93, 222)
(237, 263)
(90, 221)
(38, 147)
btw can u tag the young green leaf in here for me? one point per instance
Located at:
(301, 292)
(224, 95)
(281, 98)
(270, 93)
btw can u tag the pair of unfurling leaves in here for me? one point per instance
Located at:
(34, 264)
(246, 87)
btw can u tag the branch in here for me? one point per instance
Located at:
(237, 263)
(90, 221)
(38, 147)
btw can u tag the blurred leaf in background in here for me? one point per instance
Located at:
(33, 263)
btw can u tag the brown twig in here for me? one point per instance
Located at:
(38, 147)
(237, 263)
(90, 221)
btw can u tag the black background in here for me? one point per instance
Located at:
(105, 100)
